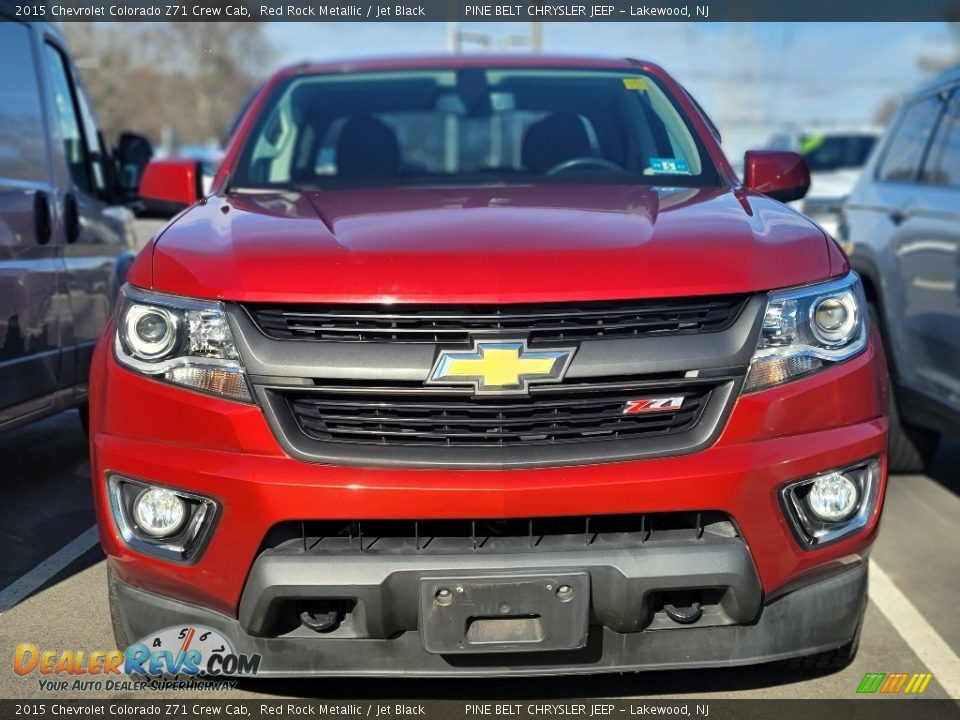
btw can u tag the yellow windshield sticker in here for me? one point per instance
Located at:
(635, 83)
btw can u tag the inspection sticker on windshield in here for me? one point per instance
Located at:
(672, 166)
(635, 83)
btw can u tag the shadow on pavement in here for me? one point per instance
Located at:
(47, 503)
(663, 682)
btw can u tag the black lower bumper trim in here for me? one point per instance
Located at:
(384, 589)
(816, 618)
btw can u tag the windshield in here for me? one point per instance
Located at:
(471, 126)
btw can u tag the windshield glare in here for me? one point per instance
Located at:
(470, 126)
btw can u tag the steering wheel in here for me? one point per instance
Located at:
(584, 162)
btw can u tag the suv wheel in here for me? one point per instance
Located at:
(909, 448)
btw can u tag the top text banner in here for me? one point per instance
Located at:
(458, 10)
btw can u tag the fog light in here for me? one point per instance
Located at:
(833, 497)
(159, 512)
(165, 522)
(833, 505)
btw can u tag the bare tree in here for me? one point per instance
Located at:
(938, 63)
(931, 64)
(153, 78)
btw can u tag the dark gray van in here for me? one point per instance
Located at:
(901, 227)
(66, 237)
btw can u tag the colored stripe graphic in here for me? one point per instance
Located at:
(890, 684)
(918, 683)
(871, 682)
(893, 683)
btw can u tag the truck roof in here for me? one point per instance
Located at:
(426, 62)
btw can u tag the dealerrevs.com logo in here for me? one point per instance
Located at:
(186, 651)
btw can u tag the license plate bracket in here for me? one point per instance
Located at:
(504, 613)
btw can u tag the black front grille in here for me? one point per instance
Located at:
(541, 322)
(585, 532)
(572, 412)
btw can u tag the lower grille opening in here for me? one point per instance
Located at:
(582, 532)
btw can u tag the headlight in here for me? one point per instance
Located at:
(807, 329)
(180, 341)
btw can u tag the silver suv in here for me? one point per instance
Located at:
(901, 226)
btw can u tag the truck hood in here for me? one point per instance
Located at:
(488, 244)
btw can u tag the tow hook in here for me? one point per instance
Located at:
(684, 615)
(320, 622)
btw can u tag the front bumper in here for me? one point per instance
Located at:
(817, 618)
(778, 603)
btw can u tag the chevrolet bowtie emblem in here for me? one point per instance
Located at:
(500, 367)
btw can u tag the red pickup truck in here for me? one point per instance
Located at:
(477, 366)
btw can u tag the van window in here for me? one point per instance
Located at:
(91, 134)
(905, 152)
(23, 149)
(65, 110)
(943, 165)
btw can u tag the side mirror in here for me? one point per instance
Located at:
(168, 186)
(784, 176)
(133, 152)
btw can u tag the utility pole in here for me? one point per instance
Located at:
(457, 38)
(453, 38)
(536, 37)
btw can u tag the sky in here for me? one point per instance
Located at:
(752, 78)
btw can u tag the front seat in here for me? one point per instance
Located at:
(557, 138)
(367, 147)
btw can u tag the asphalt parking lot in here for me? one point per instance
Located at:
(53, 593)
